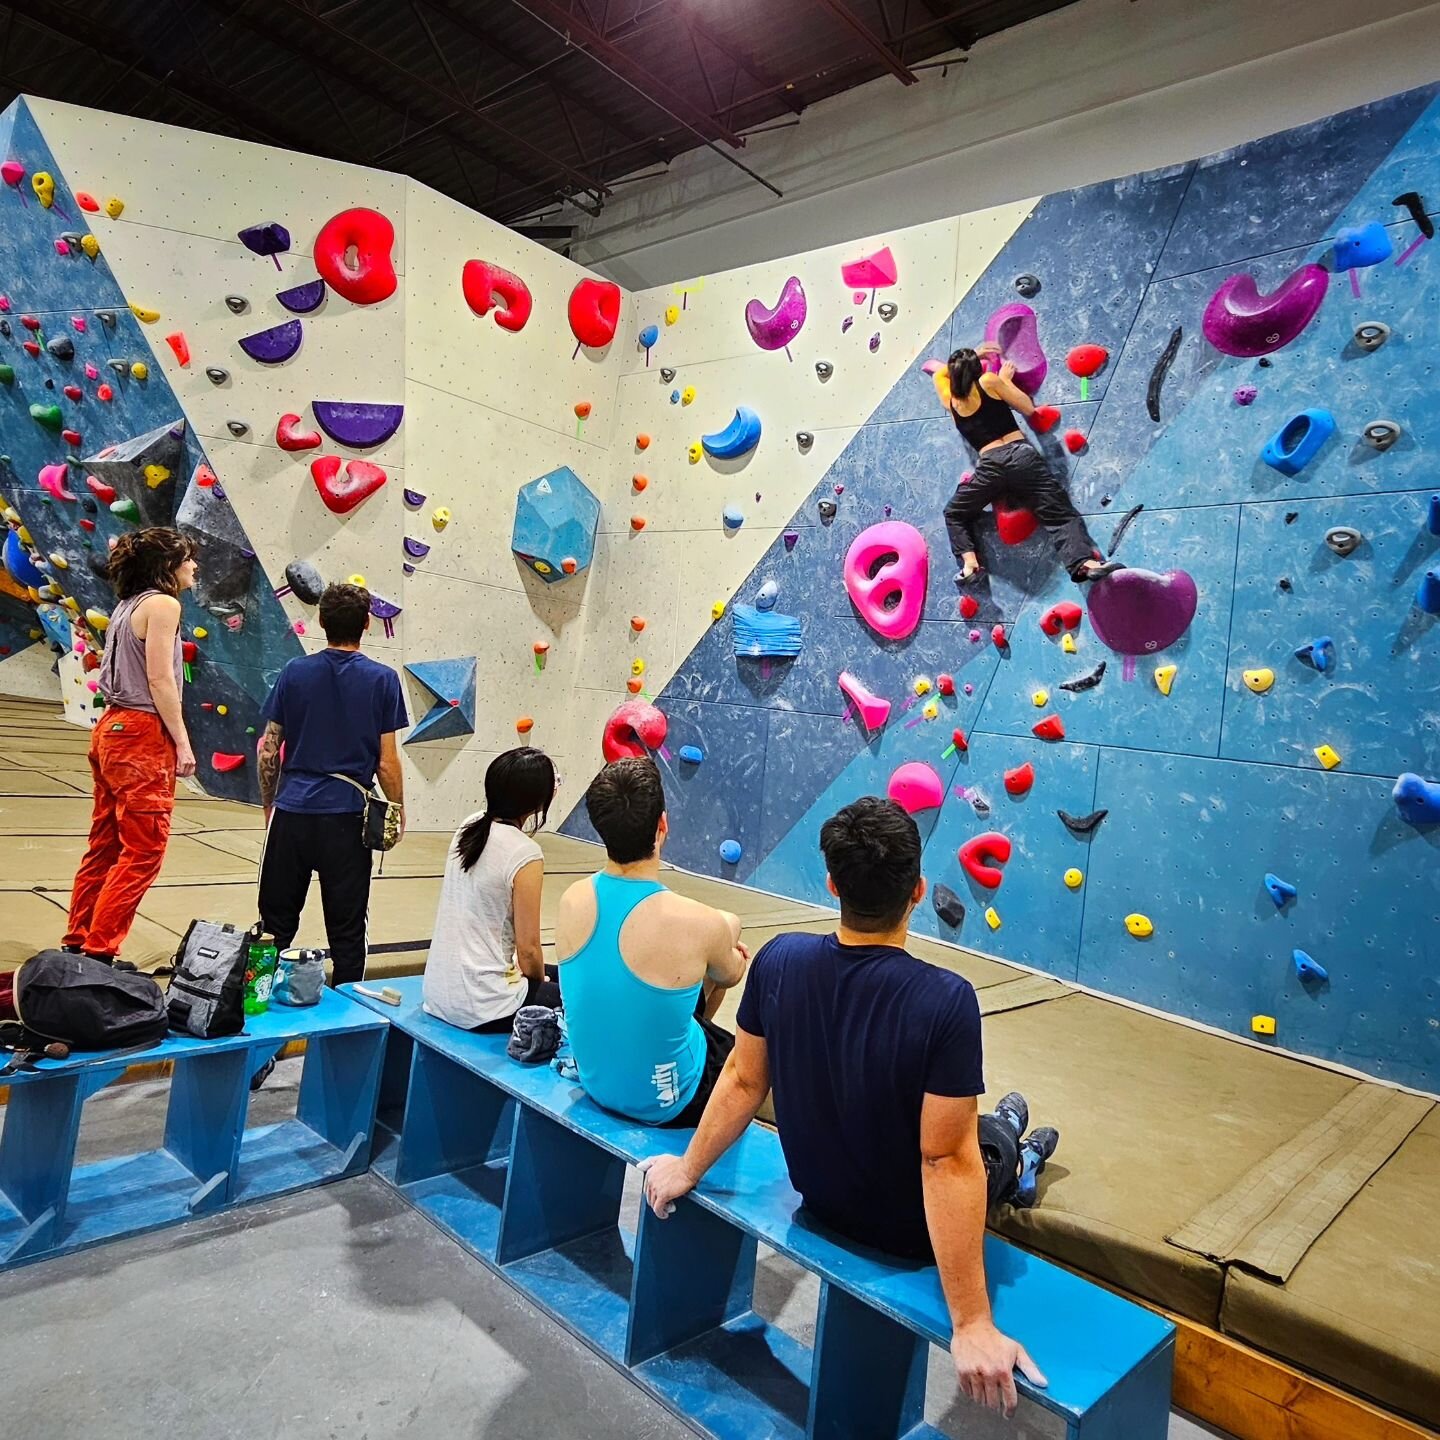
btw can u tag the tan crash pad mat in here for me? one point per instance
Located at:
(71, 784)
(1022, 991)
(1278, 1210)
(51, 861)
(1156, 1120)
(61, 764)
(1362, 1308)
(52, 815)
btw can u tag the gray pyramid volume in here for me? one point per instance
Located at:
(146, 470)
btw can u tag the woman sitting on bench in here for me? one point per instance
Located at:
(485, 958)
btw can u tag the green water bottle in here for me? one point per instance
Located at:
(260, 966)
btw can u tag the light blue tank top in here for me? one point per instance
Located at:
(638, 1047)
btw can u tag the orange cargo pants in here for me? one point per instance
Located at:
(132, 758)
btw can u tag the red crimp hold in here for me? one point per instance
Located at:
(945, 684)
(74, 392)
(969, 606)
(224, 764)
(1044, 418)
(1064, 616)
(180, 345)
(1020, 779)
(1052, 727)
(189, 651)
(70, 437)
(982, 856)
(31, 349)
(289, 437)
(997, 634)
(959, 741)
(1075, 442)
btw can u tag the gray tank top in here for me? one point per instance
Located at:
(123, 681)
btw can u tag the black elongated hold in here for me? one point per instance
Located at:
(1086, 682)
(1158, 374)
(1415, 204)
(1082, 824)
(948, 905)
(1122, 527)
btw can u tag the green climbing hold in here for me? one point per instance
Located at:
(126, 509)
(47, 415)
(7, 374)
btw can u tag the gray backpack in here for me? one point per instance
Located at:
(207, 994)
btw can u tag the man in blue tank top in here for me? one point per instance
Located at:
(642, 970)
(874, 1058)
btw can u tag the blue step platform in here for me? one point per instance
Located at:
(210, 1160)
(519, 1167)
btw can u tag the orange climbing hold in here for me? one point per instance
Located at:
(639, 482)
(637, 623)
(637, 522)
(524, 725)
(1019, 780)
(642, 441)
(582, 408)
(1052, 727)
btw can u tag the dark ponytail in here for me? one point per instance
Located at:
(518, 783)
(966, 368)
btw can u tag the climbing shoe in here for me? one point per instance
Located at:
(967, 578)
(1035, 1149)
(1083, 576)
(1013, 1110)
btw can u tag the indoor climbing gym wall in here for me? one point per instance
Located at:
(1210, 783)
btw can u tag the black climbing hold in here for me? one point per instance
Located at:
(1105, 499)
(666, 374)
(1415, 204)
(62, 347)
(948, 905)
(1082, 824)
(88, 505)
(1291, 516)
(1162, 368)
(237, 428)
(238, 304)
(1122, 527)
(1265, 362)
(5, 328)
(106, 317)
(804, 439)
(888, 310)
(49, 383)
(1086, 682)
(215, 375)
(824, 369)
(827, 509)
(1284, 583)
(120, 367)
(1028, 285)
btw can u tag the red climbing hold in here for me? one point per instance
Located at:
(361, 480)
(959, 741)
(189, 651)
(32, 349)
(105, 393)
(633, 730)
(1019, 780)
(481, 282)
(1044, 419)
(1064, 616)
(180, 345)
(1075, 442)
(204, 476)
(86, 524)
(981, 858)
(287, 437)
(223, 764)
(30, 322)
(997, 634)
(1085, 360)
(86, 201)
(1052, 727)
(70, 437)
(1013, 526)
(100, 490)
(371, 277)
(945, 684)
(594, 311)
(969, 606)
(74, 392)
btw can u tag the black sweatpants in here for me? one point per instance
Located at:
(1017, 473)
(331, 846)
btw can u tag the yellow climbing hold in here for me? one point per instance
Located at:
(199, 632)
(1326, 756)
(156, 476)
(1074, 878)
(113, 206)
(1165, 677)
(440, 517)
(992, 918)
(1258, 681)
(59, 561)
(24, 535)
(694, 452)
(140, 370)
(43, 184)
(1263, 1024)
(672, 314)
(144, 313)
(922, 685)
(687, 395)
(637, 666)
(1040, 698)
(222, 709)
(97, 620)
(90, 245)
(1139, 925)
(931, 710)
(1067, 643)
(357, 580)
(717, 609)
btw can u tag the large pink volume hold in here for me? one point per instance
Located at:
(886, 571)
(1239, 320)
(915, 787)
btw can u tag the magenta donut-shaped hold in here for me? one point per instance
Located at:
(774, 328)
(1239, 320)
(886, 570)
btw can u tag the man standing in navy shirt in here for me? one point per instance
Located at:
(875, 1062)
(336, 712)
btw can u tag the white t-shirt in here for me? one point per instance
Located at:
(472, 976)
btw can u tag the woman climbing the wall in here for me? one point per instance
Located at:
(485, 958)
(139, 745)
(1009, 468)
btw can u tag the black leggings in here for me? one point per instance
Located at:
(1018, 473)
(537, 992)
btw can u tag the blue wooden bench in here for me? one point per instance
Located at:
(525, 1172)
(209, 1159)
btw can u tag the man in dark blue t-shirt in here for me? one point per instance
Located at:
(336, 713)
(874, 1058)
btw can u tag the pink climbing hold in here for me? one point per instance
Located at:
(635, 729)
(52, 481)
(915, 787)
(1239, 320)
(774, 327)
(886, 570)
(982, 856)
(1013, 328)
(871, 272)
(874, 710)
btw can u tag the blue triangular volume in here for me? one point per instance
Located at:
(452, 683)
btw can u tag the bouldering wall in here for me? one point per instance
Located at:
(1199, 788)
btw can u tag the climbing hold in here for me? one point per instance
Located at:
(959, 741)
(992, 917)
(237, 304)
(1083, 682)
(887, 310)
(1165, 677)
(1258, 681)
(1052, 727)
(694, 451)
(1427, 595)
(289, 437)
(1044, 418)
(767, 595)
(637, 522)
(594, 311)
(982, 856)
(270, 238)
(1074, 878)
(1279, 890)
(1319, 653)
(1327, 756)
(642, 441)
(47, 415)
(791, 538)
(236, 427)
(730, 852)
(179, 345)
(415, 549)
(71, 438)
(101, 491)
(717, 609)
(86, 201)
(125, 509)
(969, 606)
(672, 314)
(359, 425)
(216, 375)
(827, 509)
(1381, 434)
(876, 271)
(275, 345)
(1417, 799)
(1262, 1024)
(733, 517)
(998, 638)
(687, 395)
(305, 581)
(634, 729)
(691, 754)
(637, 667)
(948, 906)
(915, 786)
(1371, 334)
(1140, 926)
(1359, 246)
(647, 338)
(886, 570)
(139, 370)
(667, 374)
(1014, 526)
(1245, 394)
(1028, 285)
(1019, 780)
(352, 252)
(53, 481)
(1064, 616)
(1013, 328)
(43, 185)
(556, 517)
(524, 724)
(1136, 612)
(7, 374)
(1343, 539)
(1298, 441)
(874, 342)
(774, 327)
(921, 685)
(1040, 698)
(1085, 360)
(483, 283)
(1160, 371)
(804, 439)
(824, 369)
(873, 709)
(341, 495)
(1082, 824)
(945, 684)
(303, 299)
(1309, 971)
(1075, 442)
(223, 764)
(1239, 320)
(62, 347)
(738, 438)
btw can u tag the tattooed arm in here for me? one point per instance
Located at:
(270, 743)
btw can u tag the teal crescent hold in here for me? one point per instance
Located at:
(739, 437)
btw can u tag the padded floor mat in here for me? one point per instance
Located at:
(38, 782)
(52, 815)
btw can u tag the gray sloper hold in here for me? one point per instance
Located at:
(827, 509)
(948, 905)
(237, 428)
(123, 467)
(887, 310)
(1082, 824)
(666, 374)
(1382, 434)
(804, 439)
(62, 347)
(1343, 540)
(824, 369)
(1371, 334)
(1028, 285)
(305, 580)
(216, 375)
(106, 318)
(226, 563)
(238, 304)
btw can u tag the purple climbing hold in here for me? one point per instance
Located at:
(360, 426)
(1137, 612)
(874, 342)
(416, 549)
(269, 238)
(413, 498)
(1239, 320)
(1012, 327)
(1417, 799)
(1245, 394)
(792, 537)
(276, 345)
(774, 327)
(302, 299)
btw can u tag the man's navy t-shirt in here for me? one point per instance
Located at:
(333, 706)
(857, 1036)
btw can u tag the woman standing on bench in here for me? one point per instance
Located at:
(1009, 468)
(485, 958)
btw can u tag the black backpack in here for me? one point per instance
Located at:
(87, 1004)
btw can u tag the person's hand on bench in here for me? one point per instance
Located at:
(985, 1364)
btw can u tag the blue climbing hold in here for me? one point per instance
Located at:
(649, 335)
(730, 851)
(18, 563)
(761, 634)
(1310, 971)
(1432, 520)
(767, 595)
(691, 754)
(1359, 246)
(1280, 890)
(1296, 443)
(733, 516)
(738, 438)
(1427, 597)
(1417, 799)
(1318, 653)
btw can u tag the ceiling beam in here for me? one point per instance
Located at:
(888, 58)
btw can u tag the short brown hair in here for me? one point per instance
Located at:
(344, 613)
(625, 802)
(147, 560)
